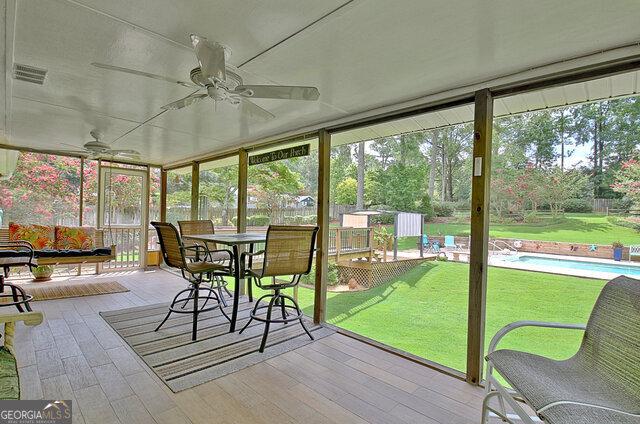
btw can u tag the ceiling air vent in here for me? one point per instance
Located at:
(29, 73)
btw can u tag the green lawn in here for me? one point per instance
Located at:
(577, 228)
(425, 311)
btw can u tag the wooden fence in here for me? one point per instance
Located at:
(277, 216)
(602, 205)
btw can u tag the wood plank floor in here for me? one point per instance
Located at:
(75, 355)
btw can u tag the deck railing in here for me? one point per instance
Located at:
(345, 240)
(127, 240)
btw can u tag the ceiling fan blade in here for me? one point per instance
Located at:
(71, 145)
(278, 92)
(184, 102)
(143, 74)
(211, 58)
(125, 152)
(76, 152)
(252, 109)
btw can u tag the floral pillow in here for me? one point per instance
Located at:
(74, 238)
(40, 236)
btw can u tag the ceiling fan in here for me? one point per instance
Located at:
(222, 84)
(97, 149)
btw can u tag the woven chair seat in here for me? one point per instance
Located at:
(203, 266)
(215, 256)
(580, 414)
(543, 381)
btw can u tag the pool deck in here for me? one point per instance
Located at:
(507, 261)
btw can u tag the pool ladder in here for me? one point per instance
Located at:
(502, 247)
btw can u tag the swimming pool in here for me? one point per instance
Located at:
(629, 270)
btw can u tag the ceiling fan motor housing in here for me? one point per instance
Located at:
(233, 80)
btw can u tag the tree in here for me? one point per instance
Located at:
(426, 207)
(433, 161)
(455, 151)
(341, 167)
(346, 192)
(399, 187)
(360, 182)
(274, 184)
(560, 186)
(43, 189)
(220, 186)
(627, 181)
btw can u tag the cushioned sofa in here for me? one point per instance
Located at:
(48, 245)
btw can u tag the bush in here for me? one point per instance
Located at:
(531, 218)
(624, 204)
(294, 220)
(383, 218)
(426, 208)
(332, 276)
(624, 222)
(443, 208)
(578, 205)
(301, 219)
(346, 192)
(258, 220)
(310, 219)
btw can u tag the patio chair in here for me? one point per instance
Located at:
(215, 255)
(450, 243)
(175, 255)
(288, 252)
(599, 384)
(425, 243)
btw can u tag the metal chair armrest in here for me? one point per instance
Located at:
(195, 247)
(23, 244)
(243, 259)
(222, 250)
(17, 243)
(518, 324)
(245, 254)
(195, 250)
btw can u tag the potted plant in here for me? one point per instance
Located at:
(617, 250)
(42, 273)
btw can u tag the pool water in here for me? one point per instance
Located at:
(629, 270)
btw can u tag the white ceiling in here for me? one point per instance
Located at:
(365, 55)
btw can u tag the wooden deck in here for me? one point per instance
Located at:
(75, 355)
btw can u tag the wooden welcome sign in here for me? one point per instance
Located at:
(288, 153)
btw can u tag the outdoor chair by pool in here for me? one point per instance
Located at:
(450, 243)
(288, 253)
(426, 243)
(175, 255)
(599, 384)
(215, 255)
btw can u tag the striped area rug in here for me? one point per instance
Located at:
(52, 290)
(182, 363)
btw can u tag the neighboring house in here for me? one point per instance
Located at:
(304, 202)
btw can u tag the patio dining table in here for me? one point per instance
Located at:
(234, 241)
